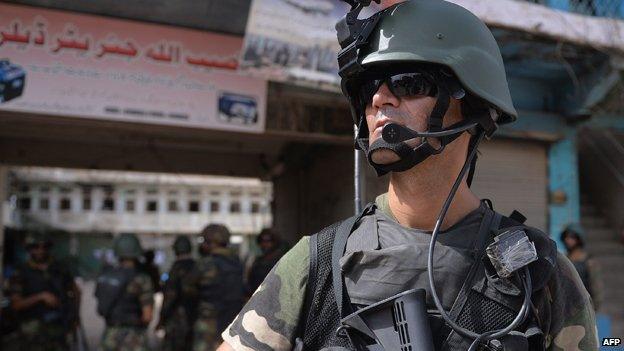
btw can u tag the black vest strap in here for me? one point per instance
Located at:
(490, 223)
(338, 249)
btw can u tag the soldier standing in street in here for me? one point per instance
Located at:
(217, 282)
(45, 298)
(177, 314)
(426, 84)
(272, 251)
(125, 298)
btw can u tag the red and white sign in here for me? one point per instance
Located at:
(96, 67)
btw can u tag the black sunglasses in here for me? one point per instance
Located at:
(400, 85)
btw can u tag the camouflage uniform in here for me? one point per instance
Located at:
(43, 328)
(176, 311)
(131, 338)
(271, 317)
(204, 277)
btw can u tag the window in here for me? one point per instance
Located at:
(44, 203)
(44, 189)
(108, 204)
(172, 206)
(193, 206)
(86, 203)
(215, 193)
(65, 190)
(86, 198)
(152, 206)
(130, 207)
(194, 192)
(65, 204)
(152, 191)
(214, 206)
(235, 207)
(23, 203)
(255, 207)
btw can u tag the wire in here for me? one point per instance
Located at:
(526, 281)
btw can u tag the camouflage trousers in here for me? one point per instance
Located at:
(124, 339)
(38, 336)
(205, 335)
(178, 333)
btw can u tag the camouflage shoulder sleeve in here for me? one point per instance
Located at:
(269, 320)
(141, 286)
(572, 323)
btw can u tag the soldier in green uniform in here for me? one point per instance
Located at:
(217, 283)
(177, 314)
(125, 298)
(45, 298)
(426, 82)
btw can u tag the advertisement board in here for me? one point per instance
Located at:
(295, 40)
(67, 64)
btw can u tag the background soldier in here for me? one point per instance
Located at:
(178, 310)
(125, 299)
(45, 297)
(217, 281)
(272, 251)
(572, 238)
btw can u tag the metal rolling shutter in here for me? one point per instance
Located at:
(514, 175)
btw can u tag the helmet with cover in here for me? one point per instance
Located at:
(127, 246)
(182, 245)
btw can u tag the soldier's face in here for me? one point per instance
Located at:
(409, 111)
(39, 252)
(267, 244)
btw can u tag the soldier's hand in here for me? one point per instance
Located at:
(49, 299)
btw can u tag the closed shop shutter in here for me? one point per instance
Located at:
(514, 175)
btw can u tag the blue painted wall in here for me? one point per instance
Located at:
(563, 177)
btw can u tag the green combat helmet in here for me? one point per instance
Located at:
(440, 37)
(217, 234)
(127, 246)
(182, 245)
(37, 237)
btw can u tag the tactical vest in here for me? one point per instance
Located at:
(179, 272)
(53, 280)
(226, 293)
(115, 303)
(485, 301)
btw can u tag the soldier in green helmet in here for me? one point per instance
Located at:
(178, 311)
(426, 83)
(45, 298)
(217, 284)
(125, 298)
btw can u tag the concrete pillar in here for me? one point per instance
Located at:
(564, 202)
(4, 204)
